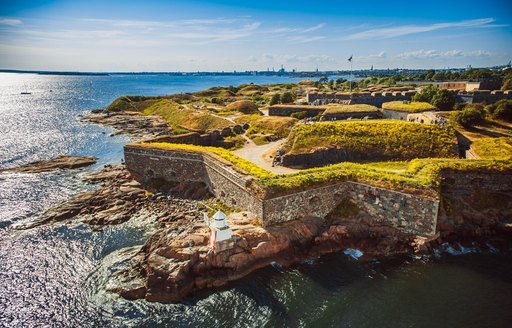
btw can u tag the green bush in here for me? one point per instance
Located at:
(299, 115)
(276, 99)
(501, 110)
(287, 98)
(469, 117)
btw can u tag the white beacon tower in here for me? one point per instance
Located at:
(219, 230)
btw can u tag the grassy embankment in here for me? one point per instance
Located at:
(412, 107)
(341, 109)
(264, 129)
(493, 148)
(377, 139)
(418, 175)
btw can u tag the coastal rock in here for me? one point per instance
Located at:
(58, 163)
(134, 124)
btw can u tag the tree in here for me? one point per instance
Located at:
(287, 98)
(276, 99)
(501, 110)
(443, 99)
(507, 84)
(426, 94)
(323, 79)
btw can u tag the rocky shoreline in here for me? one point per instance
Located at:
(133, 124)
(58, 163)
(177, 261)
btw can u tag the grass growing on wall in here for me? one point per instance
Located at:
(493, 148)
(374, 138)
(411, 107)
(418, 175)
(341, 109)
(240, 163)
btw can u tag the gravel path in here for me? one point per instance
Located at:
(254, 153)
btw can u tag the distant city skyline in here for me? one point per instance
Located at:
(227, 35)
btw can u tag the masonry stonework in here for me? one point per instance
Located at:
(406, 212)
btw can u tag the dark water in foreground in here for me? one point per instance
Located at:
(56, 275)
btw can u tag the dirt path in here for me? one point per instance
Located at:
(255, 154)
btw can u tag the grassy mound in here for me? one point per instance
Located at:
(374, 139)
(264, 129)
(132, 103)
(243, 106)
(181, 116)
(412, 107)
(360, 108)
(493, 148)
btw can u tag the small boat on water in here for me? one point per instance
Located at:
(25, 92)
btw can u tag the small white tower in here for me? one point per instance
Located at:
(220, 232)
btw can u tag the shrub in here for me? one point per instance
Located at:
(287, 98)
(299, 115)
(276, 99)
(443, 99)
(501, 110)
(469, 117)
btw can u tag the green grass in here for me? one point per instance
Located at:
(412, 107)
(271, 127)
(374, 139)
(493, 148)
(338, 109)
(421, 176)
(177, 115)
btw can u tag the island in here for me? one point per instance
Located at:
(237, 178)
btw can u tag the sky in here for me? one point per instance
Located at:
(113, 35)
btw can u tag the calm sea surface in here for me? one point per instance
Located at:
(55, 276)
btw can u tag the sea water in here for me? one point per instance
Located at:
(56, 275)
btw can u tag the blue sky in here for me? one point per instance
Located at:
(227, 35)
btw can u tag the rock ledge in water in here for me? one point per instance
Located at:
(58, 163)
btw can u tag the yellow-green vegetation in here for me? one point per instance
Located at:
(132, 103)
(238, 162)
(411, 107)
(338, 109)
(177, 115)
(418, 175)
(379, 139)
(243, 106)
(264, 129)
(493, 148)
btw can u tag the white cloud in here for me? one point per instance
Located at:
(10, 21)
(298, 29)
(391, 32)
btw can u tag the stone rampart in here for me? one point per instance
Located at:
(407, 212)
(375, 98)
(479, 96)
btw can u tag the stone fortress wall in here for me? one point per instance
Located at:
(406, 212)
(378, 98)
